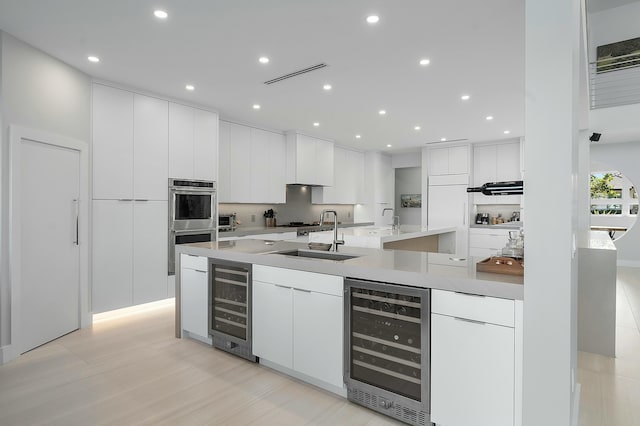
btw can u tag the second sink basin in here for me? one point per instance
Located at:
(316, 254)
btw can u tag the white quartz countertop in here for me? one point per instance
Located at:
(417, 269)
(505, 225)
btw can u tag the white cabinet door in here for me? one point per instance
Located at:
(181, 131)
(259, 167)
(112, 143)
(317, 335)
(278, 168)
(508, 161)
(273, 323)
(357, 165)
(439, 161)
(194, 296)
(447, 206)
(149, 251)
(150, 148)
(112, 285)
(458, 160)
(205, 145)
(224, 165)
(484, 165)
(472, 373)
(239, 154)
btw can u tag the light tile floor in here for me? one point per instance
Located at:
(610, 393)
(133, 371)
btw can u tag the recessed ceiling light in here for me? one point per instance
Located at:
(506, 132)
(382, 112)
(190, 87)
(93, 59)
(388, 145)
(372, 19)
(424, 62)
(489, 117)
(316, 124)
(465, 97)
(443, 139)
(417, 128)
(256, 106)
(358, 136)
(327, 87)
(160, 14)
(263, 60)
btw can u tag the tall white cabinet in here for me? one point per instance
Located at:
(496, 162)
(252, 165)
(193, 143)
(138, 141)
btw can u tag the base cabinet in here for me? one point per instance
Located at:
(298, 320)
(473, 361)
(194, 291)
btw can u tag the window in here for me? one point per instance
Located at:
(614, 202)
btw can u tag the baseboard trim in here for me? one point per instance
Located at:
(576, 405)
(629, 263)
(6, 354)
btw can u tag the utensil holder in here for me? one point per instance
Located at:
(270, 222)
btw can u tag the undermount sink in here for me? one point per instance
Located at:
(316, 254)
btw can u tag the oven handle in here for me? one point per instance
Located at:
(173, 207)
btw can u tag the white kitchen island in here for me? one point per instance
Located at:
(294, 297)
(408, 237)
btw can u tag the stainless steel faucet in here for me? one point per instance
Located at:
(336, 241)
(385, 209)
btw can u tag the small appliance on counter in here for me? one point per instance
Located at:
(227, 222)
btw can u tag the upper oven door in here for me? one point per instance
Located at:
(193, 209)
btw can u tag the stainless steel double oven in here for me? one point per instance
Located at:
(192, 214)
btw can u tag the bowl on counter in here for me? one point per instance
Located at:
(320, 246)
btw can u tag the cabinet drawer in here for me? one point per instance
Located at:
(473, 307)
(488, 241)
(311, 281)
(198, 263)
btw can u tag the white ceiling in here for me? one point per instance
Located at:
(475, 48)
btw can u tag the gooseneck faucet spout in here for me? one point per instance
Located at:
(336, 241)
(386, 209)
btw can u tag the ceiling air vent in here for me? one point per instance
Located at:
(296, 73)
(447, 141)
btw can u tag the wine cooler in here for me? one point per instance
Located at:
(387, 349)
(230, 307)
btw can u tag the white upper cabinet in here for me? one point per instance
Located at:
(348, 176)
(205, 145)
(252, 165)
(112, 143)
(449, 161)
(150, 148)
(309, 160)
(496, 163)
(193, 143)
(130, 145)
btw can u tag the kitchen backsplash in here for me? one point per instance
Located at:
(298, 208)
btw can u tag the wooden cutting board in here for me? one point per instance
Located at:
(501, 265)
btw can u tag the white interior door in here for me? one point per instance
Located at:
(49, 251)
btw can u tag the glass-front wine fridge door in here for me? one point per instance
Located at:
(386, 341)
(230, 300)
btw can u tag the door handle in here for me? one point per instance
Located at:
(76, 203)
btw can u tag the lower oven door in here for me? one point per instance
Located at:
(185, 237)
(387, 353)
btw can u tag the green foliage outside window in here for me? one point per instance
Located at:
(600, 185)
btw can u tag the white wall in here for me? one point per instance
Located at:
(39, 92)
(552, 108)
(622, 157)
(408, 181)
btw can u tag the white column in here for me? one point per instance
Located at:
(552, 103)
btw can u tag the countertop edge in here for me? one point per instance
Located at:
(486, 284)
